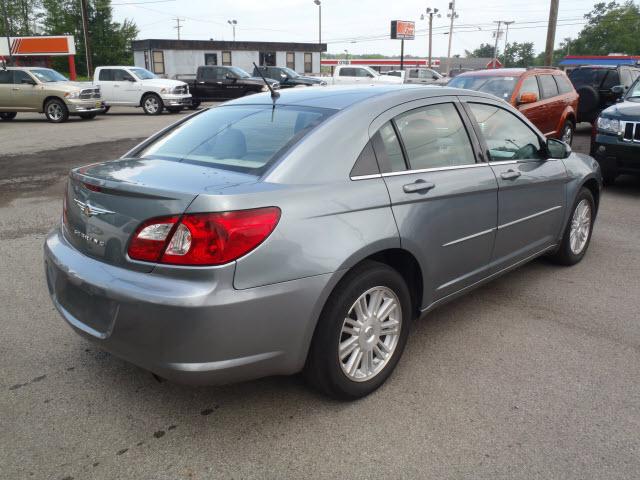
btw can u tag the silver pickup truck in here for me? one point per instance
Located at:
(43, 90)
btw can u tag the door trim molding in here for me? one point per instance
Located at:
(469, 237)
(529, 217)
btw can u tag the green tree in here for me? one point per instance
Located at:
(611, 28)
(110, 41)
(518, 55)
(22, 16)
(485, 50)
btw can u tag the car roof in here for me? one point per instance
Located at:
(342, 97)
(495, 72)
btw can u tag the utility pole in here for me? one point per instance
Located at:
(495, 47)
(506, 39)
(551, 32)
(430, 12)
(319, 4)
(178, 27)
(85, 29)
(6, 30)
(453, 15)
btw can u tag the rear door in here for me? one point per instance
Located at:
(443, 198)
(531, 186)
(553, 105)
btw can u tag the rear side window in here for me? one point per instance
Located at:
(5, 76)
(388, 150)
(507, 137)
(243, 138)
(435, 136)
(587, 76)
(548, 86)
(530, 85)
(106, 75)
(347, 72)
(611, 80)
(564, 85)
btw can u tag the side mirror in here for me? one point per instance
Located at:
(130, 79)
(527, 97)
(28, 81)
(618, 90)
(283, 76)
(558, 149)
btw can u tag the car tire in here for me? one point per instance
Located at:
(195, 104)
(588, 103)
(368, 355)
(577, 233)
(152, 104)
(106, 110)
(568, 132)
(174, 109)
(56, 111)
(88, 116)
(8, 116)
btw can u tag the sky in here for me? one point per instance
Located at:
(359, 26)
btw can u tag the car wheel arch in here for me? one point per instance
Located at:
(592, 185)
(142, 97)
(47, 99)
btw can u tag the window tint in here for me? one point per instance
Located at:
(19, 75)
(434, 137)
(347, 72)
(388, 149)
(106, 75)
(5, 76)
(122, 75)
(548, 86)
(210, 74)
(564, 85)
(245, 138)
(500, 86)
(413, 73)
(530, 85)
(361, 72)
(611, 80)
(587, 76)
(506, 136)
(366, 163)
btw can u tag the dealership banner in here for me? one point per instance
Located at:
(38, 46)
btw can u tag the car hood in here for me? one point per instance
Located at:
(627, 110)
(163, 82)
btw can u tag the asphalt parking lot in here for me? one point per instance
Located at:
(535, 375)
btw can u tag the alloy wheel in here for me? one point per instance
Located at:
(151, 104)
(567, 134)
(55, 111)
(580, 227)
(370, 334)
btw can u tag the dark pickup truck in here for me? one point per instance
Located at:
(224, 83)
(287, 77)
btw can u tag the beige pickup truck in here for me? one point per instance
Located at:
(43, 90)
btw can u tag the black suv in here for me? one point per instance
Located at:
(224, 83)
(615, 141)
(287, 77)
(595, 85)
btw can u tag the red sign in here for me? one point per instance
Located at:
(403, 30)
(495, 63)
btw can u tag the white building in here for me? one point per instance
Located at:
(169, 58)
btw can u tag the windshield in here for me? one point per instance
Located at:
(142, 73)
(47, 75)
(634, 90)
(501, 87)
(242, 138)
(238, 72)
(290, 73)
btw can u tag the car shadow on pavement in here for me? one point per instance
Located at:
(627, 185)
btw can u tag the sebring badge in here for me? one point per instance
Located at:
(89, 210)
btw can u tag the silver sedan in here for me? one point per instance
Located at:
(269, 236)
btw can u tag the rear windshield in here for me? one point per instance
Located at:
(242, 138)
(501, 87)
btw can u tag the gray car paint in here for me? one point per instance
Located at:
(256, 316)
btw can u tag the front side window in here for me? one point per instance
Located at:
(363, 73)
(291, 60)
(226, 59)
(548, 86)
(435, 137)
(247, 138)
(507, 137)
(124, 76)
(158, 61)
(501, 87)
(308, 63)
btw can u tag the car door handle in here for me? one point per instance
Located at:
(15, 89)
(510, 175)
(418, 186)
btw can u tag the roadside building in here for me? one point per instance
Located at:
(39, 51)
(169, 58)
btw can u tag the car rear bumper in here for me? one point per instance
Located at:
(171, 100)
(616, 156)
(194, 329)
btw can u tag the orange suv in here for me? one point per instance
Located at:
(544, 95)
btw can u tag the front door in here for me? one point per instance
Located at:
(443, 199)
(531, 186)
(24, 94)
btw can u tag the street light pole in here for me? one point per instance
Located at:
(453, 15)
(85, 29)
(319, 4)
(431, 13)
(233, 24)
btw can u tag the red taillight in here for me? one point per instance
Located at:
(203, 238)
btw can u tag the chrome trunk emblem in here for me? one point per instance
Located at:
(89, 210)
